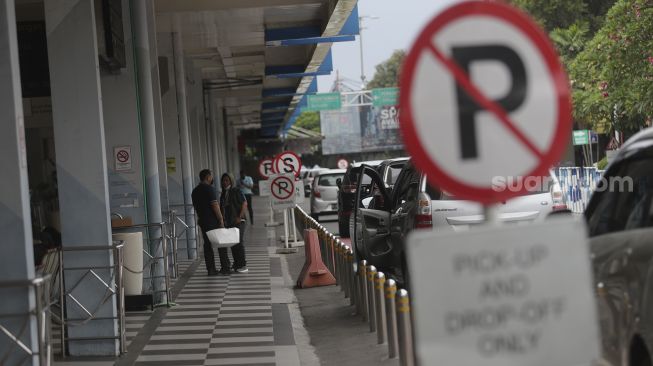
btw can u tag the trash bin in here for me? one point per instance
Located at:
(132, 262)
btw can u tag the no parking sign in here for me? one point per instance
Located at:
(282, 191)
(483, 95)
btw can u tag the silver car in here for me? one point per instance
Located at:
(620, 223)
(324, 193)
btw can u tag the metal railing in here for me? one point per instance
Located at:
(18, 352)
(156, 244)
(374, 297)
(174, 218)
(114, 288)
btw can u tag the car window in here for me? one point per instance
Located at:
(623, 200)
(329, 180)
(407, 186)
(393, 174)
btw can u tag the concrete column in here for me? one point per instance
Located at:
(158, 113)
(214, 115)
(81, 169)
(17, 261)
(184, 136)
(149, 136)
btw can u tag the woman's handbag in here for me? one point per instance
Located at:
(224, 238)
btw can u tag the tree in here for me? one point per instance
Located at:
(309, 120)
(613, 75)
(552, 14)
(387, 72)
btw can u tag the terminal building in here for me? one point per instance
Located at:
(109, 110)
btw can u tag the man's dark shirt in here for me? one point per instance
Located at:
(203, 195)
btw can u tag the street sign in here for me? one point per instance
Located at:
(342, 163)
(385, 97)
(287, 162)
(264, 188)
(282, 191)
(483, 95)
(526, 299)
(581, 137)
(324, 102)
(265, 168)
(122, 158)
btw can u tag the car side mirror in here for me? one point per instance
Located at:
(339, 182)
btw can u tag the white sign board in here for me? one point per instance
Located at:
(264, 188)
(282, 191)
(265, 168)
(299, 191)
(484, 97)
(122, 157)
(504, 296)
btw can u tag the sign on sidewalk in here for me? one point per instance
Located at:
(522, 297)
(282, 191)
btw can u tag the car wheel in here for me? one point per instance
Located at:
(405, 275)
(639, 355)
(315, 216)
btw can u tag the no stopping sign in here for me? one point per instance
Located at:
(483, 96)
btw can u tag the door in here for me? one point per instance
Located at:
(404, 208)
(371, 219)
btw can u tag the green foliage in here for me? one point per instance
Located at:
(552, 14)
(613, 75)
(387, 73)
(602, 164)
(571, 41)
(309, 120)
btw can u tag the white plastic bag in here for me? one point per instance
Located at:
(224, 238)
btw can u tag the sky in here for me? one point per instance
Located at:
(397, 26)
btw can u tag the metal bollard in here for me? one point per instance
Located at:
(351, 276)
(391, 317)
(339, 265)
(345, 269)
(362, 288)
(371, 273)
(379, 303)
(404, 329)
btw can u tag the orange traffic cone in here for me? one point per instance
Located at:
(314, 273)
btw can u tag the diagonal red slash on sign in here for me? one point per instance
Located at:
(462, 79)
(276, 183)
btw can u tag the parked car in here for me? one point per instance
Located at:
(324, 195)
(386, 215)
(389, 171)
(620, 223)
(308, 178)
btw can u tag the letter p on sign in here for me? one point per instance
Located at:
(483, 95)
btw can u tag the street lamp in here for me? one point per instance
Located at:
(360, 38)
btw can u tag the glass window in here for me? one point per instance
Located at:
(393, 174)
(329, 180)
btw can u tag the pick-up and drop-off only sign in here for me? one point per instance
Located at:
(483, 95)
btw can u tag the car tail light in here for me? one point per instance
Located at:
(424, 218)
(349, 188)
(316, 192)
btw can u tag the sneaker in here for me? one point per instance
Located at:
(224, 272)
(241, 270)
(212, 272)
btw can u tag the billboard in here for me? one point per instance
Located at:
(360, 129)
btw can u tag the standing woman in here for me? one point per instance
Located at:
(234, 208)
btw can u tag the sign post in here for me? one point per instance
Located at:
(289, 163)
(282, 190)
(265, 169)
(486, 111)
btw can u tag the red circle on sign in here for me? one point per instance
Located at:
(279, 158)
(281, 196)
(123, 156)
(262, 170)
(342, 163)
(437, 174)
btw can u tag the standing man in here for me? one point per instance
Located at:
(209, 215)
(246, 185)
(234, 206)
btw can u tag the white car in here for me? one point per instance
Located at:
(324, 194)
